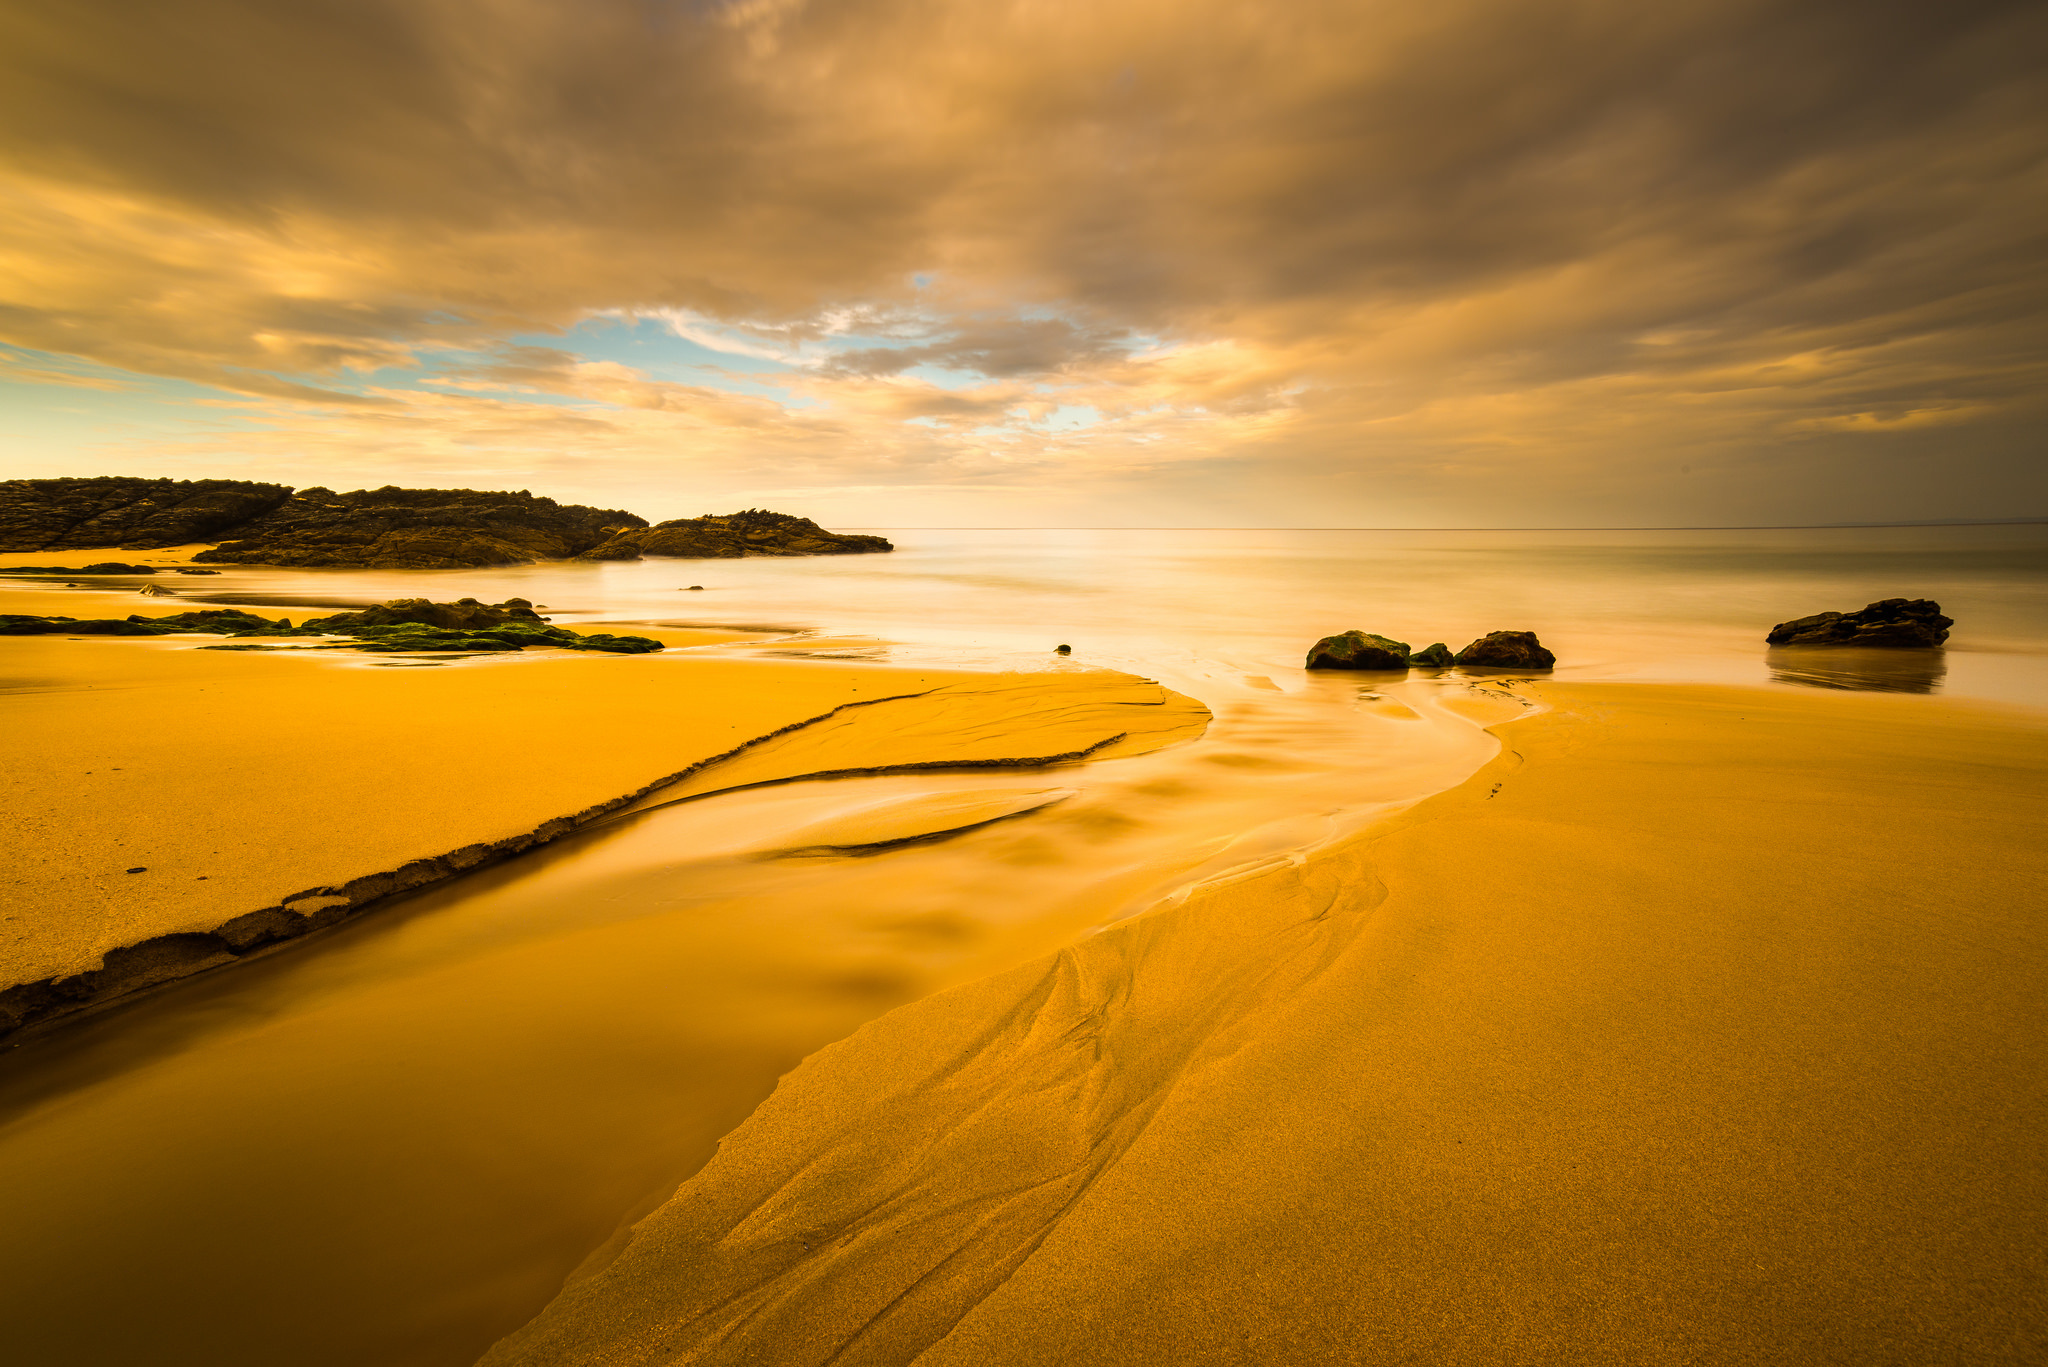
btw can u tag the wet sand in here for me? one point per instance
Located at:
(1704, 1025)
(264, 794)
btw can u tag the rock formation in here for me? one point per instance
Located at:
(388, 528)
(1506, 650)
(417, 529)
(405, 624)
(76, 514)
(1358, 650)
(104, 567)
(1437, 656)
(752, 531)
(1909, 623)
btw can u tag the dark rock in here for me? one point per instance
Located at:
(1437, 656)
(424, 529)
(182, 569)
(1506, 650)
(1358, 650)
(465, 614)
(1063, 650)
(12, 625)
(1895, 623)
(391, 528)
(154, 591)
(408, 624)
(750, 532)
(106, 567)
(74, 514)
(694, 588)
(140, 869)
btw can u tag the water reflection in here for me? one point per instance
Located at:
(1859, 667)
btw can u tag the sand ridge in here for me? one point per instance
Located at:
(296, 786)
(1704, 1024)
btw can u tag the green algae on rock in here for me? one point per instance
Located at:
(405, 624)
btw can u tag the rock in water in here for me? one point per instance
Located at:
(1909, 623)
(1437, 656)
(464, 614)
(750, 532)
(1358, 650)
(152, 591)
(1506, 650)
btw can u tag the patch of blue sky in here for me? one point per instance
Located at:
(1070, 417)
(945, 377)
(103, 402)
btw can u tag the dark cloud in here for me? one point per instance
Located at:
(1834, 207)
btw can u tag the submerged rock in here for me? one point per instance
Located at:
(1358, 650)
(154, 591)
(1897, 623)
(1437, 656)
(1506, 650)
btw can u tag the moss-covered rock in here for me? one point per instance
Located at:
(1358, 650)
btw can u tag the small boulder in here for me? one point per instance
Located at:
(1437, 656)
(1506, 650)
(1358, 650)
(1896, 623)
(154, 591)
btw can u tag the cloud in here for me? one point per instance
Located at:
(1454, 246)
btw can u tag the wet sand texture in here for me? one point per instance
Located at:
(266, 796)
(1704, 1025)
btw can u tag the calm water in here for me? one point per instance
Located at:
(390, 1145)
(1612, 605)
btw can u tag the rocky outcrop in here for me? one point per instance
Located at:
(387, 528)
(76, 514)
(1895, 623)
(752, 531)
(1358, 650)
(1506, 650)
(1437, 656)
(464, 614)
(418, 529)
(104, 567)
(404, 625)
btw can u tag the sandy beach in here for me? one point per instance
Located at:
(1702, 1025)
(177, 808)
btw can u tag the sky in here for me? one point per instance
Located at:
(1314, 263)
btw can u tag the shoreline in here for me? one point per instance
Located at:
(1625, 1048)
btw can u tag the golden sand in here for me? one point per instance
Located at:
(1705, 1025)
(317, 781)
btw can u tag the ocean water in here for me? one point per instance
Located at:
(391, 1144)
(1675, 605)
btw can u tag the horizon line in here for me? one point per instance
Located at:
(1729, 527)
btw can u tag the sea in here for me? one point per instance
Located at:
(393, 1142)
